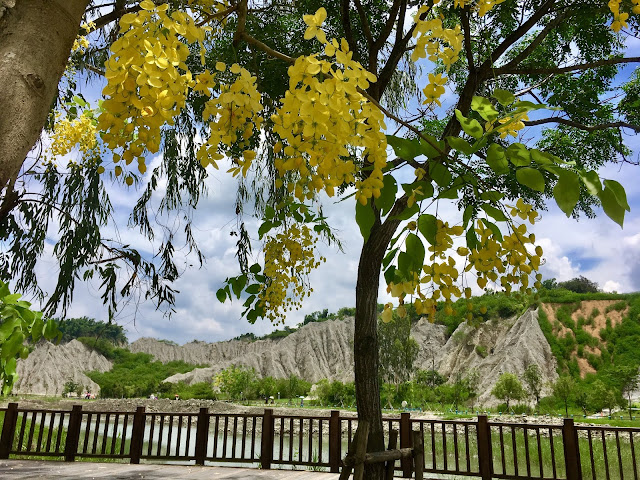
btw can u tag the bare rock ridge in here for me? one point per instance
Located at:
(316, 351)
(49, 367)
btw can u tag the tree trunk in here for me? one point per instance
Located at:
(365, 342)
(36, 37)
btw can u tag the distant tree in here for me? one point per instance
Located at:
(550, 284)
(236, 382)
(601, 396)
(626, 377)
(563, 389)
(456, 392)
(73, 328)
(398, 350)
(533, 380)
(508, 388)
(429, 378)
(580, 285)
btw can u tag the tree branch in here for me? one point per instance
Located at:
(464, 20)
(265, 48)
(516, 35)
(346, 24)
(571, 68)
(388, 26)
(365, 24)
(580, 126)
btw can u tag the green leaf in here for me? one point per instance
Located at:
(497, 233)
(472, 239)
(80, 101)
(269, 212)
(611, 206)
(494, 212)
(264, 228)
(519, 155)
(485, 108)
(237, 284)
(387, 194)
(466, 216)
(543, 158)
(390, 274)
(618, 191)
(497, 159)
(12, 345)
(416, 188)
(428, 149)
(365, 218)
(404, 147)
(416, 251)
(526, 106)
(530, 177)
(255, 268)
(253, 289)
(460, 145)
(492, 196)
(389, 257)
(221, 295)
(439, 173)
(504, 97)
(470, 126)
(591, 181)
(50, 329)
(405, 265)
(428, 227)
(567, 191)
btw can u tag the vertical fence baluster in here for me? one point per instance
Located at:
(300, 435)
(114, 434)
(151, 431)
(619, 456)
(467, 454)
(502, 458)
(606, 460)
(253, 437)
(405, 442)
(123, 440)
(225, 435)
(244, 436)
(310, 452)
(527, 456)
(31, 430)
(320, 441)
(267, 438)
(335, 444)
(202, 435)
(455, 446)
(540, 452)
(87, 431)
(96, 432)
(8, 430)
(60, 429)
(137, 434)
(169, 435)
(233, 439)
(445, 454)
(73, 432)
(433, 445)
(160, 431)
(41, 431)
(291, 439)
(187, 442)
(633, 456)
(52, 418)
(216, 433)
(485, 460)
(553, 454)
(179, 436)
(104, 433)
(571, 450)
(281, 446)
(23, 424)
(515, 450)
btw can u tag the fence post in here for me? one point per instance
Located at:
(485, 457)
(571, 450)
(267, 439)
(405, 442)
(8, 430)
(202, 435)
(137, 435)
(73, 434)
(335, 441)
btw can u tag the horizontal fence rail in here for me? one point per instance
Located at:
(475, 448)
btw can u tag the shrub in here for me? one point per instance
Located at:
(482, 351)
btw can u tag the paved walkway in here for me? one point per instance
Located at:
(31, 469)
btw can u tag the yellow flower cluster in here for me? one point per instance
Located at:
(233, 116)
(507, 261)
(81, 43)
(68, 133)
(324, 119)
(148, 79)
(434, 41)
(434, 90)
(289, 257)
(620, 18)
(508, 125)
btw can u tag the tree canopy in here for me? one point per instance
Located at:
(309, 101)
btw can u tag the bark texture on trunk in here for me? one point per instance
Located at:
(36, 37)
(365, 342)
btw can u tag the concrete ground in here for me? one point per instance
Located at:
(31, 469)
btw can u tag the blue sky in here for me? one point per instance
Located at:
(596, 248)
